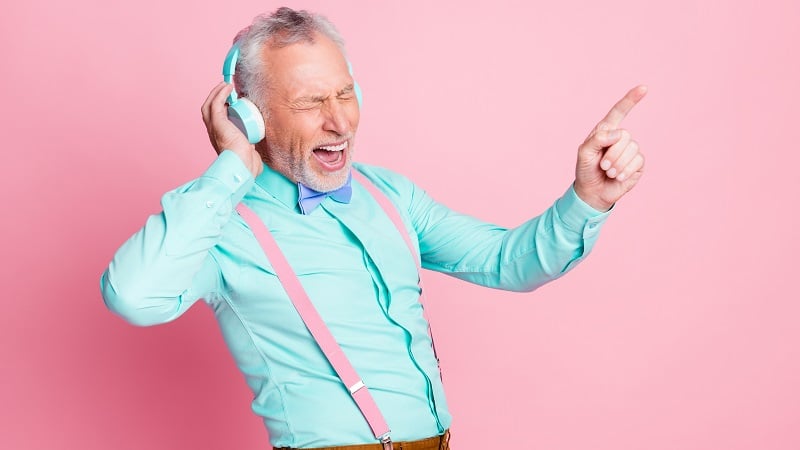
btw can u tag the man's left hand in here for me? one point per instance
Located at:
(609, 161)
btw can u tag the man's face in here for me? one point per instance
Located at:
(312, 113)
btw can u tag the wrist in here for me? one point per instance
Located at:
(250, 159)
(592, 200)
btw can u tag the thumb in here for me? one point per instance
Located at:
(599, 141)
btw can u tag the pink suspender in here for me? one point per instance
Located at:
(316, 326)
(389, 208)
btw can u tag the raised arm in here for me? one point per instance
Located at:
(165, 267)
(609, 164)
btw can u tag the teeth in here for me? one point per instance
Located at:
(334, 148)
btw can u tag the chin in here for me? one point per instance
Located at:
(327, 182)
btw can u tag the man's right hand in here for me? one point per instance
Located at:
(223, 134)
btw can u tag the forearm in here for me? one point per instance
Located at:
(165, 267)
(519, 259)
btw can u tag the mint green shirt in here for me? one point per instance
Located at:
(356, 269)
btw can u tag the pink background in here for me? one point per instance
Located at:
(680, 332)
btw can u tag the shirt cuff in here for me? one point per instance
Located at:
(229, 170)
(578, 215)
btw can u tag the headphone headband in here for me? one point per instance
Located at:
(229, 70)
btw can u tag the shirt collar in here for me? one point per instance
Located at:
(279, 187)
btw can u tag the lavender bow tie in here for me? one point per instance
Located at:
(310, 199)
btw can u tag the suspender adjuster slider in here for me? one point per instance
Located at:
(354, 388)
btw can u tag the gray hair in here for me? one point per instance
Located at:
(281, 28)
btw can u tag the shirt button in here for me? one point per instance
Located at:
(592, 226)
(209, 204)
(237, 178)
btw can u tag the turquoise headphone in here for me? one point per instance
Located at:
(243, 112)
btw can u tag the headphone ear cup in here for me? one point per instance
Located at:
(357, 90)
(247, 118)
(356, 87)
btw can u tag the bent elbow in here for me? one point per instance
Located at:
(133, 306)
(525, 286)
(525, 278)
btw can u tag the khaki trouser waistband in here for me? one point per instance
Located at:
(432, 443)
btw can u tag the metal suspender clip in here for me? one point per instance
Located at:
(386, 440)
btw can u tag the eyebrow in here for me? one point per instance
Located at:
(321, 98)
(347, 89)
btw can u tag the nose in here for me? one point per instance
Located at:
(336, 117)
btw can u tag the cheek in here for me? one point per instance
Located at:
(354, 115)
(283, 133)
(307, 129)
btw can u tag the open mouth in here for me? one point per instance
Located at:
(331, 156)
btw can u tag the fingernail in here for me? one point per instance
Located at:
(613, 134)
(621, 177)
(603, 127)
(611, 172)
(605, 165)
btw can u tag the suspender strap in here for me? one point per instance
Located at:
(313, 321)
(333, 352)
(390, 210)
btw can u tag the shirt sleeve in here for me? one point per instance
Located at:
(165, 267)
(518, 259)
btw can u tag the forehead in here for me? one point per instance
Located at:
(303, 66)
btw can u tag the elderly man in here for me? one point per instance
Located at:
(347, 239)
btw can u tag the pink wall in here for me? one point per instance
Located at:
(680, 332)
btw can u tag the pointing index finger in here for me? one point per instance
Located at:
(618, 112)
